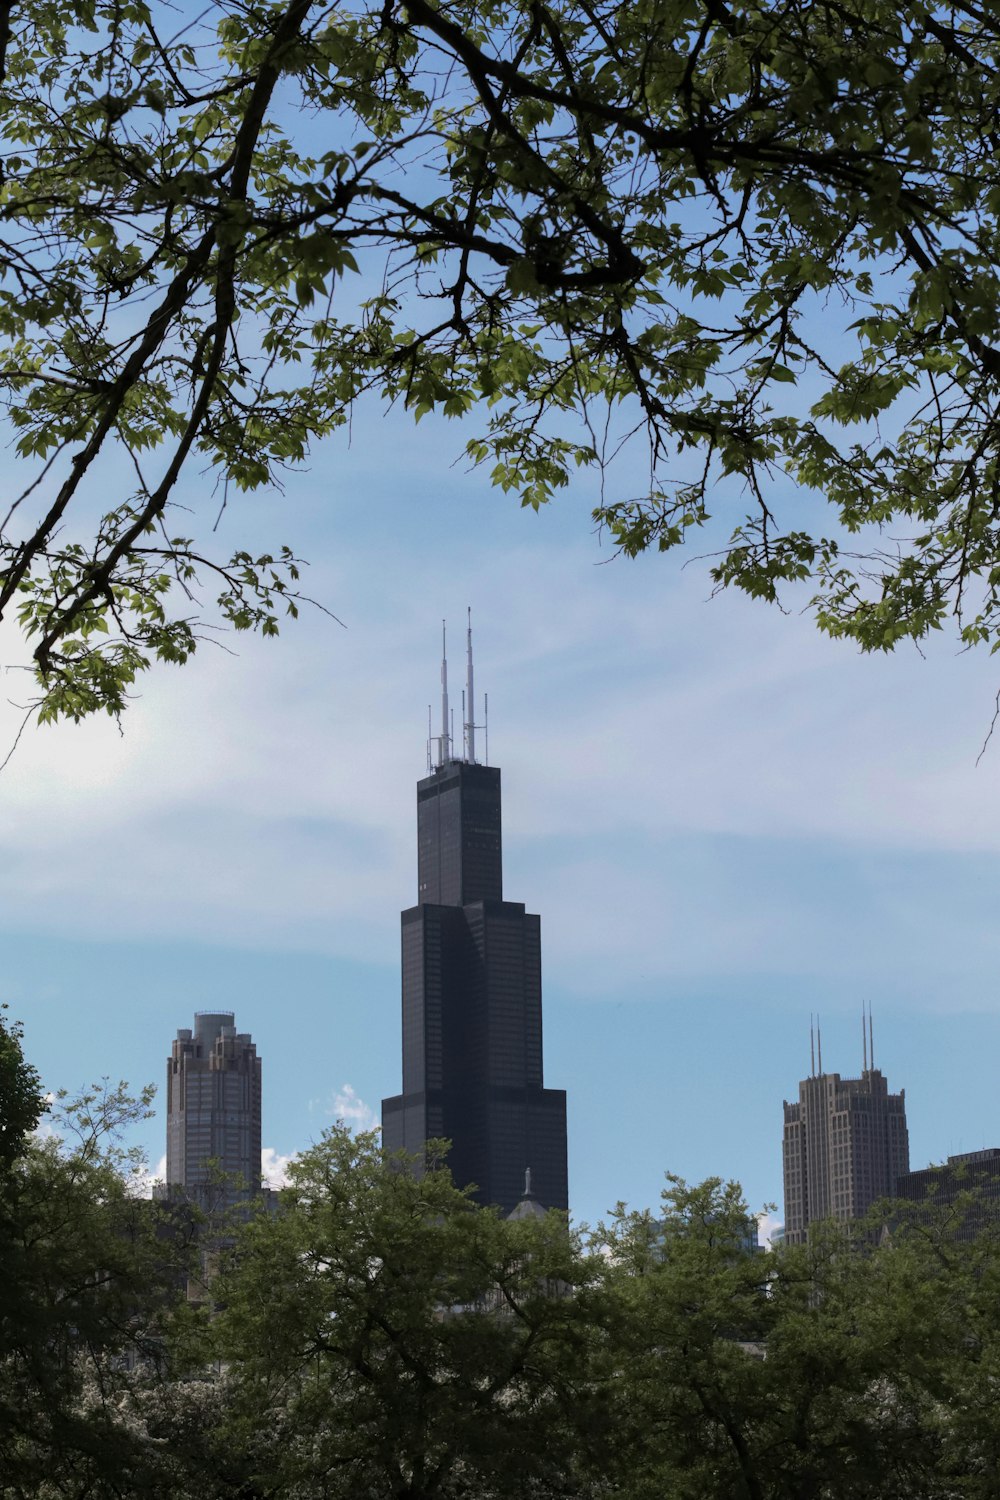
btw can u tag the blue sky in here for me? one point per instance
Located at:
(725, 821)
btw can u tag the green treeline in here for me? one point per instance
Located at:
(382, 1336)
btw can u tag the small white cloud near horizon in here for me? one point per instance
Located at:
(45, 1129)
(353, 1111)
(768, 1225)
(146, 1178)
(274, 1167)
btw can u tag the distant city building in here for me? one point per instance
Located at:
(213, 1111)
(749, 1237)
(845, 1146)
(974, 1175)
(472, 994)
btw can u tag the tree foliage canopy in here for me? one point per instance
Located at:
(86, 1276)
(419, 1347)
(763, 234)
(382, 1335)
(22, 1102)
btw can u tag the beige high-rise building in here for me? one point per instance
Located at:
(213, 1111)
(845, 1146)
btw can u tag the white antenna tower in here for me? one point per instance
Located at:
(470, 702)
(444, 742)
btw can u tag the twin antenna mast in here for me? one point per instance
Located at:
(445, 741)
(867, 1042)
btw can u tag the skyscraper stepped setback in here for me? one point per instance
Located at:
(213, 1111)
(472, 991)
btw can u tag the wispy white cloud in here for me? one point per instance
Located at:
(268, 800)
(274, 1167)
(45, 1130)
(767, 1226)
(145, 1178)
(352, 1110)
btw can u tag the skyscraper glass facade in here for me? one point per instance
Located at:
(845, 1146)
(213, 1111)
(472, 1005)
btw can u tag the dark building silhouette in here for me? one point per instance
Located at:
(472, 995)
(845, 1146)
(213, 1112)
(967, 1186)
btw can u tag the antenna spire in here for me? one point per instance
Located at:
(864, 1037)
(812, 1047)
(871, 1041)
(819, 1045)
(445, 741)
(470, 707)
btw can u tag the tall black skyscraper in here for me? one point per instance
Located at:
(472, 994)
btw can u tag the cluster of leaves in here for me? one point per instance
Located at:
(87, 1270)
(382, 1335)
(763, 233)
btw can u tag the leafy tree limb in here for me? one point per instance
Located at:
(764, 234)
